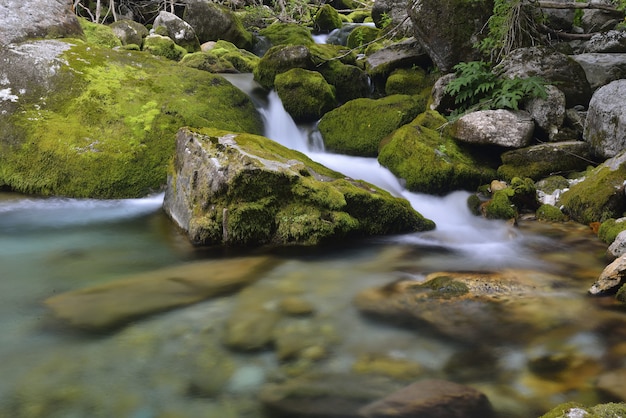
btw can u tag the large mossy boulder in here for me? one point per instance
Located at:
(21, 20)
(305, 94)
(163, 46)
(430, 161)
(100, 35)
(222, 57)
(359, 126)
(245, 190)
(89, 122)
(452, 42)
(181, 32)
(129, 32)
(280, 59)
(212, 21)
(573, 409)
(600, 196)
(287, 34)
(327, 19)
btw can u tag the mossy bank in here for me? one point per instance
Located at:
(103, 125)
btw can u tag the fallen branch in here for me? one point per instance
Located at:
(556, 5)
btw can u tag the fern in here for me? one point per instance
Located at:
(476, 87)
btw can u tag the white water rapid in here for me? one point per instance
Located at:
(487, 243)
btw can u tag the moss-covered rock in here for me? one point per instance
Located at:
(359, 126)
(287, 34)
(104, 125)
(305, 94)
(272, 195)
(610, 228)
(327, 19)
(550, 213)
(429, 160)
(507, 203)
(600, 196)
(538, 161)
(573, 409)
(129, 32)
(223, 57)
(163, 46)
(280, 59)
(100, 35)
(212, 21)
(408, 81)
(621, 294)
(362, 35)
(500, 207)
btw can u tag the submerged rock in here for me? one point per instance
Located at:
(431, 398)
(472, 306)
(114, 304)
(246, 190)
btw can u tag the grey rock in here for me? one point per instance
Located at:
(602, 68)
(611, 278)
(442, 101)
(178, 30)
(213, 22)
(399, 55)
(506, 128)
(605, 126)
(396, 10)
(129, 31)
(618, 246)
(21, 20)
(548, 113)
(554, 67)
(611, 41)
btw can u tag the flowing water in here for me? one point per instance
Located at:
(175, 365)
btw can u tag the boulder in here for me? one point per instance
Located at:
(505, 128)
(163, 46)
(443, 102)
(339, 68)
(129, 32)
(287, 34)
(222, 56)
(413, 81)
(361, 36)
(280, 59)
(554, 67)
(539, 161)
(431, 398)
(20, 20)
(84, 121)
(246, 190)
(613, 41)
(508, 202)
(605, 126)
(429, 161)
(181, 32)
(610, 229)
(359, 126)
(618, 246)
(611, 278)
(600, 196)
(453, 42)
(305, 94)
(388, 14)
(473, 306)
(212, 22)
(326, 19)
(116, 303)
(601, 68)
(575, 410)
(403, 54)
(548, 113)
(99, 35)
(597, 20)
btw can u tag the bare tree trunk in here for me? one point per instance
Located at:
(112, 6)
(98, 10)
(171, 6)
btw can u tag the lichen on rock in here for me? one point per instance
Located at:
(245, 190)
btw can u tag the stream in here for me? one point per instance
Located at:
(175, 365)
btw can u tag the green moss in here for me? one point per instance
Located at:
(550, 184)
(408, 81)
(610, 229)
(430, 161)
(359, 126)
(100, 35)
(163, 46)
(108, 130)
(287, 34)
(500, 206)
(566, 410)
(327, 19)
(280, 59)
(523, 194)
(445, 287)
(361, 36)
(598, 198)
(474, 203)
(206, 61)
(307, 204)
(305, 94)
(550, 213)
(621, 294)
(359, 16)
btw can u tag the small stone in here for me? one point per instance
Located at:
(294, 305)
